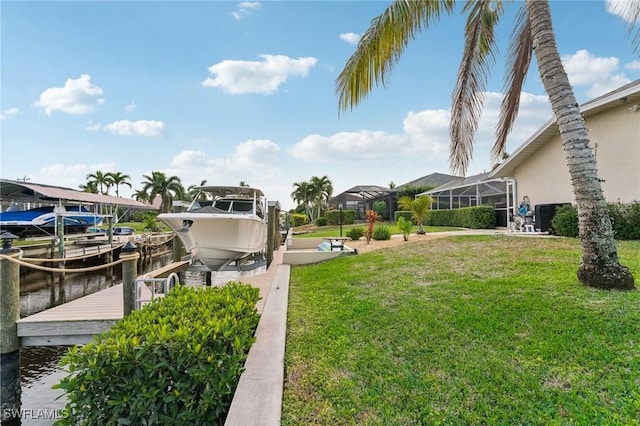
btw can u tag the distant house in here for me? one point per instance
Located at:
(361, 197)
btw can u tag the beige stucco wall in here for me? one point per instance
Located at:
(616, 136)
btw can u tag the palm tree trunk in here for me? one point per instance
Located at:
(599, 266)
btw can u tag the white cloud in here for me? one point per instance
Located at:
(586, 69)
(265, 77)
(351, 38)
(130, 107)
(245, 8)
(69, 175)
(632, 66)
(136, 128)
(76, 97)
(346, 146)
(253, 161)
(625, 9)
(92, 126)
(8, 113)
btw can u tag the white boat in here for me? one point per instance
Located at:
(222, 225)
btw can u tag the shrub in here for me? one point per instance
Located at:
(176, 361)
(299, 219)
(333, 217)
(321, 221)
(565, 221)
(405, 226)
(403, 213)
(381, 232)
(380, 207)
(372, 218)
(625, 220)
(355, 233)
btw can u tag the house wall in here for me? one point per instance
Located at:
(615, 134)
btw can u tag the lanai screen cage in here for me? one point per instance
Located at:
(476, 190)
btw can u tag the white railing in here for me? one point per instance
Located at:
(149, 288)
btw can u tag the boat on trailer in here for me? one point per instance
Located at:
(43, 220)
(223, 224)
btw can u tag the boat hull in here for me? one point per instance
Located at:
(218, 239)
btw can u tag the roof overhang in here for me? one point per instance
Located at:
(11, 190)
(627, 94)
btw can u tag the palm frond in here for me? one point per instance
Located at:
(518, 62)
(382, 45)
(468, 96)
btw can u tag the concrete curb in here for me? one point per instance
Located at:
(258, 397)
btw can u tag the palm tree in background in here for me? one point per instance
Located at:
(142, 196)
(118, 179)
(321, 189)
(90, 187)
(167, 188)
(100, 180)
(193, 192)
(303, 196)
(383, 43)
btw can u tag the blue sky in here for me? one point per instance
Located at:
(245, 91)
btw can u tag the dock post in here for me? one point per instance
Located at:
(129, 275)
(10, 391)
(177, 249)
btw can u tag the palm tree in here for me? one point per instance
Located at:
(303, 196)
(192, 192)
(321, 190)
(100, 180)
(118, 179)
(383, 43)
(168, 188)
(90, 186)
(419, 207)
(142, 196)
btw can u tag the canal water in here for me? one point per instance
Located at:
(39, 365)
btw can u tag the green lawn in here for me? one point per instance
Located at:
(492, 330)
(331, 231)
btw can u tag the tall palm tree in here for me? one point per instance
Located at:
(303, 196)
(383, 43)
(321, 190)
(100, 180)
(118, 179)
(168, 188)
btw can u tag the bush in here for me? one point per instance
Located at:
(381, 232)
(299, 219)
(407, 215)
(176, 361)
(625, 220)
(477, 217)
(405, 226)
(565, 222)
(321, 221)
(380, 207)
(333, 217)
(355, 233)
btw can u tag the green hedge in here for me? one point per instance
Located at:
(176, 361)
(478, 217)
(403, 213)
(625, 221)
(333, 217)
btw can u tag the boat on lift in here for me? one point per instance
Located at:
(43, 220)
(223, 224)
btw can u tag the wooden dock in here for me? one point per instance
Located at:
(76, 322)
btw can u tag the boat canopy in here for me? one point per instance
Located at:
(18, 191)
